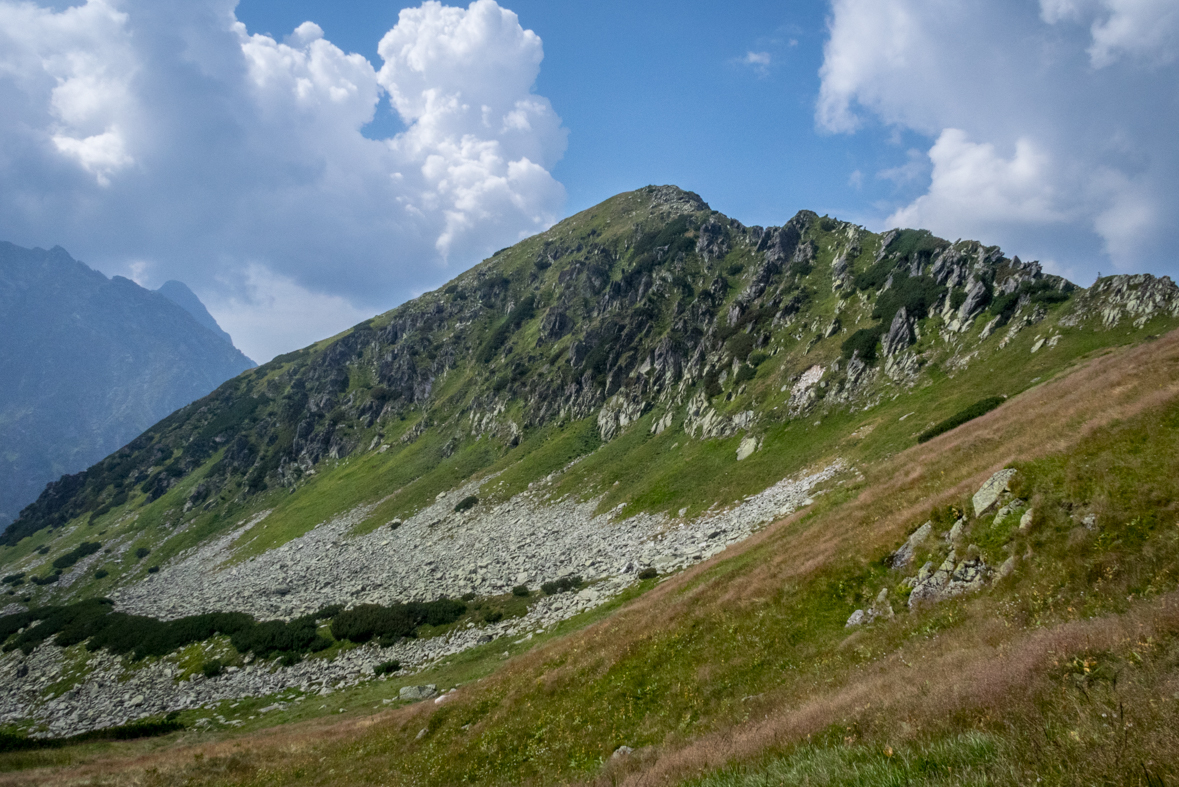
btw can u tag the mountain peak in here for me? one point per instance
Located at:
(179, 293)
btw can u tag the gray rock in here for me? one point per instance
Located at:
(1025, 521)
(989, 492)
(855, 619)
(415, 693)
(748, 445)
(903, 556)
(900, 334)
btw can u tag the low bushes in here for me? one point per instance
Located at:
(79, 552)
(521, 591)
(467, 503)
(144, 728)
(562, 585)
(386, 668)
(981, 407)
(93, 621)
(388, 624)
(863, 343)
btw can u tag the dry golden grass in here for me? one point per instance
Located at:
(988, 670)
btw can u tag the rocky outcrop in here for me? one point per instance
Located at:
(989, 492)
(1137, 299)
(901, 334)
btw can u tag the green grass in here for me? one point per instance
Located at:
(967, 759)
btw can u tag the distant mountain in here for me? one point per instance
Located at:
(179, 294)
(87, 363)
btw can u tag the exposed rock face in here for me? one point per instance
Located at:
(900, 334)
(1137, 298)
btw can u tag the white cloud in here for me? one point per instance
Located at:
(162, 133)
(1051, 127)
(1147, 30)
(974, 188)
(269, 314)
(913, 169)
(758, 61)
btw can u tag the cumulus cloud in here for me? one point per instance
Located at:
(165, 135)
(1050, 126)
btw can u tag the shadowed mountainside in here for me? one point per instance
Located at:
(89, 363)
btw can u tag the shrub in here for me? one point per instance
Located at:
(863, 343)
(330, 611)
(13, 579)
(396, 523)
(73, 556)
(386, 668)
(981, 407)
(562, 585)
(757, 359)
(101, 573)
(467, 503)
(744, 374)
(49, 580)
(740, 345)
(469, 596)
(520, 591)
(212, 668)
(387, 624)
(522, 313)
(492, 616)
(153, 570)
(142, 552)
(712, 386)
(43, 550)
(916, 295)
(648, 573)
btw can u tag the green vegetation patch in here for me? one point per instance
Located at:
(981, 407)
(94, 622)
(389, 624)
(76, 554)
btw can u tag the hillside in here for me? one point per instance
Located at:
(89, 363)
(667, 464)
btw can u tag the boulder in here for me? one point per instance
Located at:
(989, 492)
(747, 447)
(904, 555)
(415, 693)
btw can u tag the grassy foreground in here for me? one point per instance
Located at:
(740, 670)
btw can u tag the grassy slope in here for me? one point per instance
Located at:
(740, 671)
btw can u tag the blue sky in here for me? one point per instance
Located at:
(660, 92)
(303, 165)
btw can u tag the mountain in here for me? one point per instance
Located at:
(662, 497)
(179, 294)
(89, 363)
